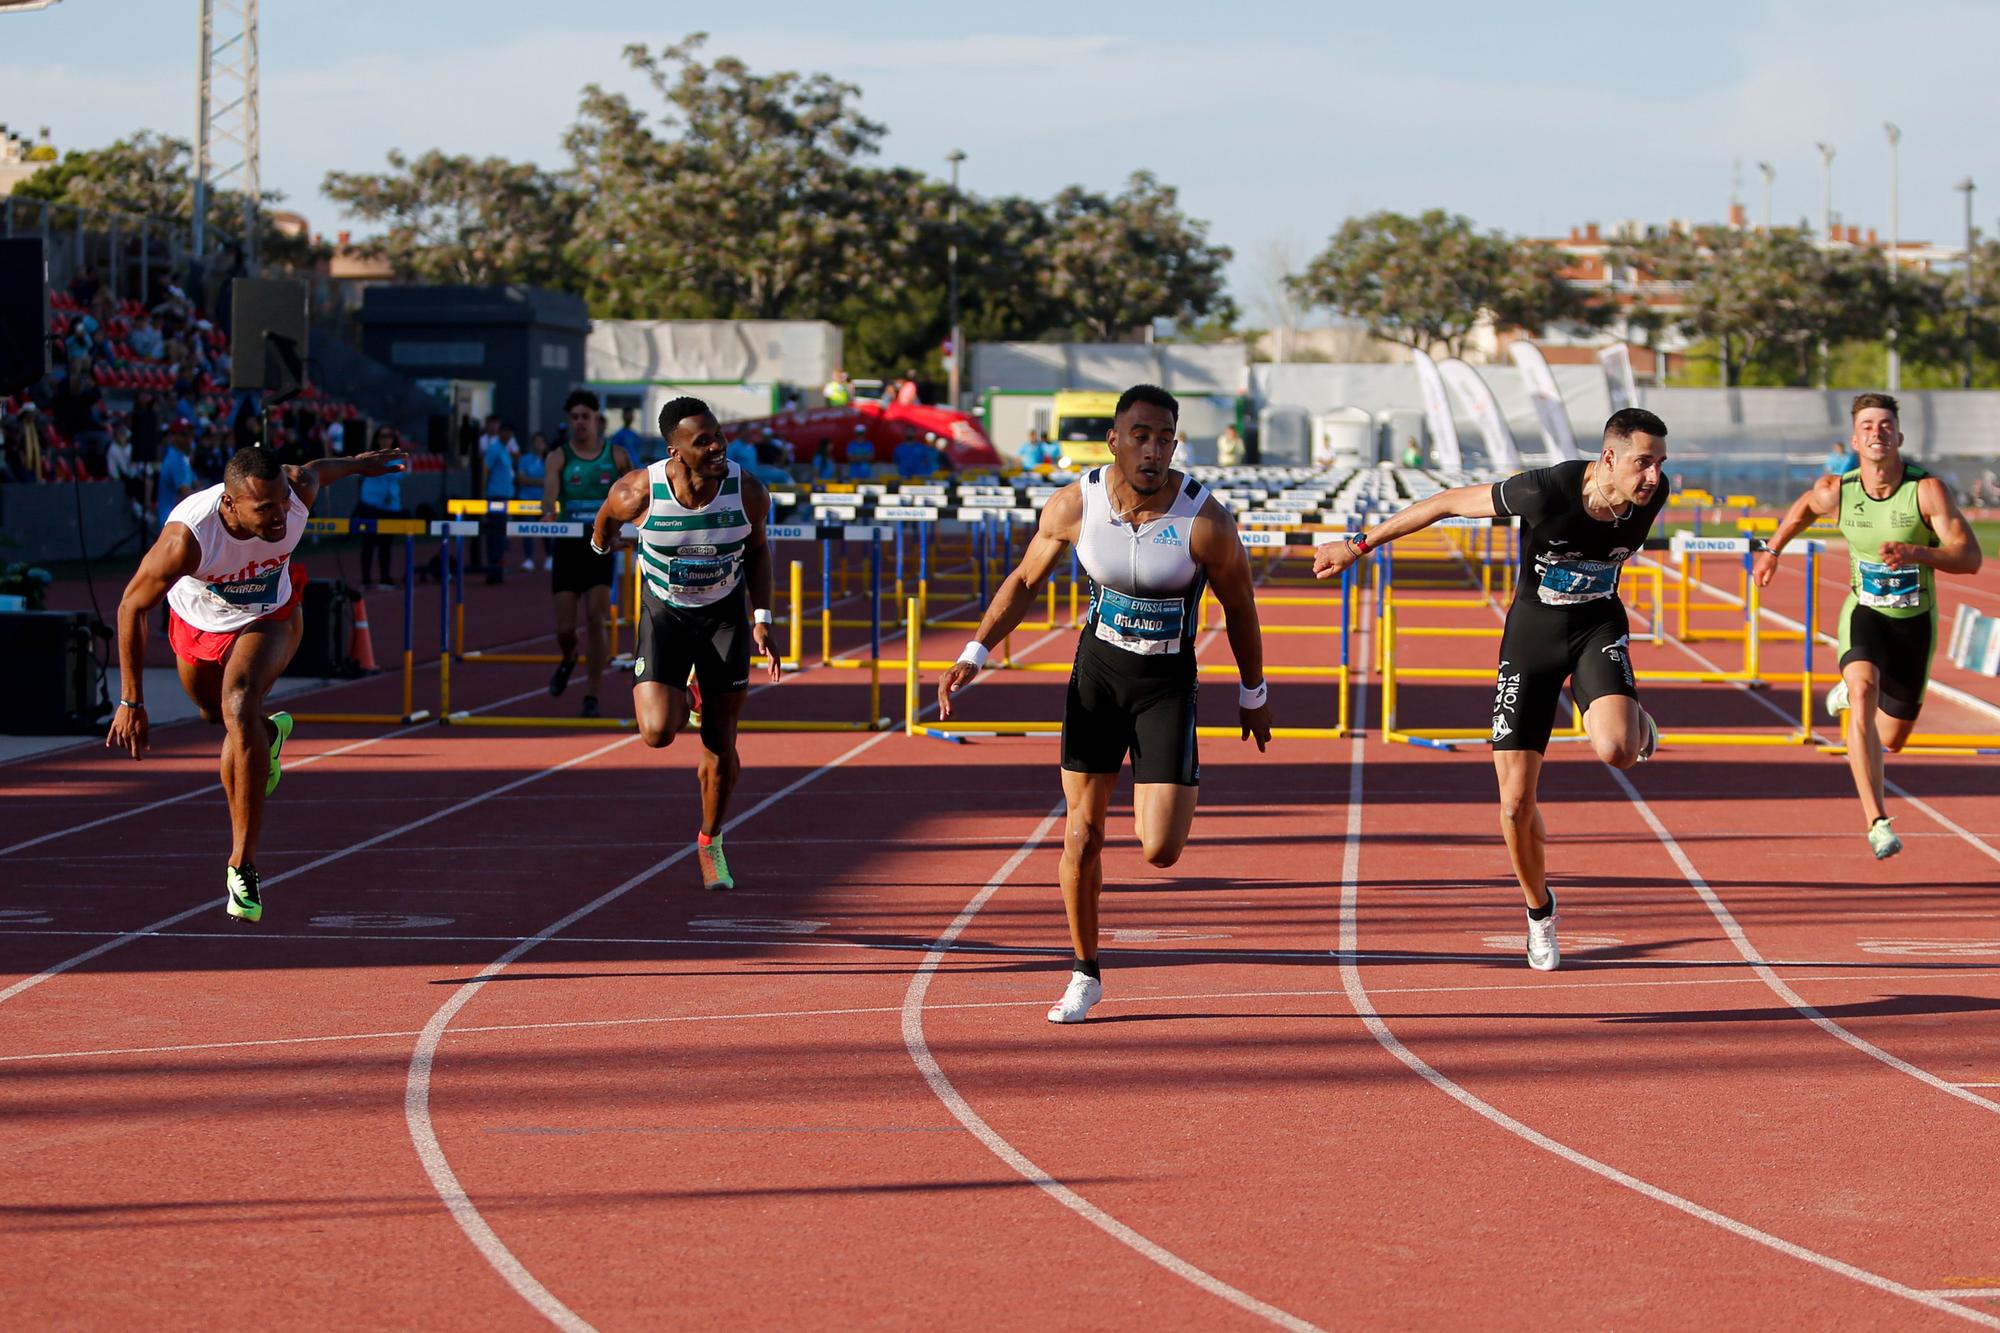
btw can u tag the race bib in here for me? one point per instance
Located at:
(1146, 625)
(1567, 582)
(696, 568)
(261, 590)
(1879, 586)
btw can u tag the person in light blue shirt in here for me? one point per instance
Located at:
(380, 497)
(529, 471)
(1842, 460)
(498, 460)
(1039, 450)
(176, 479)
(860, 455)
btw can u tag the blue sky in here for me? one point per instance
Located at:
(1527, 117)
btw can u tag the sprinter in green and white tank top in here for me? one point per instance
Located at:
(576, 479)
(1902, 529)
(704, 605)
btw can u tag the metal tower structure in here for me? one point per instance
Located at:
(226, 117)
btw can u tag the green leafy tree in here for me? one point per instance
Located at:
(458, 219)
(742, 197)
(1117, 263)
(1431, 280)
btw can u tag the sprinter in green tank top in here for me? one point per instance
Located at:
(704, 605)
(1902, 528)
(579, 475)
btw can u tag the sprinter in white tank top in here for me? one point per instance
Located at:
(705, 605)
(1150, 539)
(224, 559)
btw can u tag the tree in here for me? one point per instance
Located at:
(458, 219)
(1431, 280)
(1119, 263)
(742, 198)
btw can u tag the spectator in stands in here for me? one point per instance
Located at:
(145, 421)
(16, 435)
(824, 467)
(380, 497)
(79, 413)
(83, 287)
(104, 307)
(1229, 447)
(914, 458)
(210, 453)
(119, 467)
(1842, 459)
(772, 450)
(176, 480)
(498, 462)
(1038, 452)
(860, 454)
(529, 470)
(146, 339)
(625, 437)
(173, 311)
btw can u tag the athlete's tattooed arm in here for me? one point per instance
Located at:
(1330, 558)
(1218, 549)
(1061, 519)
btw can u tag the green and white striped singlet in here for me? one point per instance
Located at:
(693, 557)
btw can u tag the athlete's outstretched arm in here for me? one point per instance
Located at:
(1821, 499)
(1218, 549)
(1476, 501)
(757, 572)
(627, 501)
(1061, 518)
(175, 554)
(1957, 551)
(308, 479)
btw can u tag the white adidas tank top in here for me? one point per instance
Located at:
(693, 557)
(1145, 581)
(240, 579)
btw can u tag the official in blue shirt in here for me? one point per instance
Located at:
(498, 461)
(380, 497)
(914, 458)
(176, 480)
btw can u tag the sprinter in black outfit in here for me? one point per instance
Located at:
(1580, 522)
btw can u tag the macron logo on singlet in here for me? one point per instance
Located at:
(1170, 535)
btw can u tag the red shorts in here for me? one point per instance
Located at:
(201, 645)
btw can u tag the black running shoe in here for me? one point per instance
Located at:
(559, 680)
(590, 705)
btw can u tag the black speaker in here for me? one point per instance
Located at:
(24, 313)
(328, 608)
(51, 674)
(267, 336)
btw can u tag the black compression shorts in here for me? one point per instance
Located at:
(1538, 652)
(1900, 647)
(713, 640)
(578, 569)
(1113, 709)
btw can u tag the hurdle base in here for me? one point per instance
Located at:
(364, 719)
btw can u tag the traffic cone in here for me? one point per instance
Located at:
(360, 647)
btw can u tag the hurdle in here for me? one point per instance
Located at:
(523, 519)
(409, 529)
(913, 667)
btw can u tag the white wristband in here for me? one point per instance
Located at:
(601, 550)
(1252, 696)
(973, 652)
(761, 616)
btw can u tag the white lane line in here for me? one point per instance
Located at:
(927, 1065)
(1777, 985)
(423, 1058)
(1521, 989)
(417, 1084)
(1357, 994)
(217, 786)
(208, 905)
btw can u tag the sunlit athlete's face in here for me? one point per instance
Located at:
(698, 443)
(1633, 467)
(257, 506)
(1142, 445)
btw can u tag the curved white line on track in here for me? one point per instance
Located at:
(417, 1084)
(1727, 920)
(209, 905)
(1364, 1007)
(961, 1110)
(423, 1059)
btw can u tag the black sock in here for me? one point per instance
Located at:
(1546, 910)
(1087, 966)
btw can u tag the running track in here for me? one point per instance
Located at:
(1323, 1090)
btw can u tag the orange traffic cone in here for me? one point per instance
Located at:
(359, 646)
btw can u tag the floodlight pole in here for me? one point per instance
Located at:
(955, 156)
(1825, 191)
(1895, 134)
(1966, 187)
(1769, 173)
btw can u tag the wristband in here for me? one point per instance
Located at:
(1249, 696)
(601, 550)
(973, 652)
(761, 616)
(132, 704)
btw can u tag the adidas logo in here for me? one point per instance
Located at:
(1167, 536)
